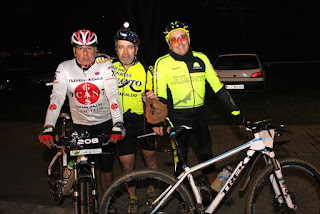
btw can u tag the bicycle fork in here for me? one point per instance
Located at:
(76, 193)
(278, 183)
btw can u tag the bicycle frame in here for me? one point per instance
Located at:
(82, 168)
(81, 160)
(255, 145)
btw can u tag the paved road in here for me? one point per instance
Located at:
(23, 182)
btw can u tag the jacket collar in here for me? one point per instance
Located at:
(188, 57)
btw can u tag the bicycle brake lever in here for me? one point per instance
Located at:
(147, 135)
(105, 144)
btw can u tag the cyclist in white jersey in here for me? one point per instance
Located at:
(92, 90)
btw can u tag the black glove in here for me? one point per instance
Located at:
(118, 131)
(240, 120)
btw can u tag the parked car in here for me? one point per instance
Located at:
(240, 71)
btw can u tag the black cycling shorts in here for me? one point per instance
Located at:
(135, 126)
(106, 160)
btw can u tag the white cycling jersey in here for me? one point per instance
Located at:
(93, 94)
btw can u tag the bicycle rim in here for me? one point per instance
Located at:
(116, 198)
(302, 181)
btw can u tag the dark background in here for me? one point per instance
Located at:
(35, 32)
(276, 30)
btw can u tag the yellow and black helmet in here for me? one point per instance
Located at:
(173, 26)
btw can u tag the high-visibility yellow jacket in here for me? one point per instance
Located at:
(182, 83)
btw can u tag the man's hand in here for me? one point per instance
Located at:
(148, 95)
(118, 132)
(102, 58)
(159, 128)
(46, 136)
(151, 95)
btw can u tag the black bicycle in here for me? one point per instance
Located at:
(80, 181)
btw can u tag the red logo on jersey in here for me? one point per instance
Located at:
(53, 107)
(114, 106)
(87, 93)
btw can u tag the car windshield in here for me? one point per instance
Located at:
(236, 62)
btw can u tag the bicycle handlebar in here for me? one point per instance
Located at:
(173, 131)
(84, 141)
(266, 124)
(254, 127)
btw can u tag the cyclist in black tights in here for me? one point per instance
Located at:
(180, 78)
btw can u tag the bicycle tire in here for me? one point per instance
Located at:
(115, 199)
(54, 181)
(87, 203)
(302, 180)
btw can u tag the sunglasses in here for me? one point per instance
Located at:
(182, 38)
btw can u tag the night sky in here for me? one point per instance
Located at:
(276, 30)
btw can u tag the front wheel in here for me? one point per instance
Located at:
(116, 198)
(86, 201)
(303, 183)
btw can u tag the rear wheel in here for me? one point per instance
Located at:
(303, 183)
(116, 198)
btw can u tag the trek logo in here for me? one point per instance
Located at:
(238, 170)
(87, 93)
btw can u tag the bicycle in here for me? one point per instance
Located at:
(81, 181)
(286, 185)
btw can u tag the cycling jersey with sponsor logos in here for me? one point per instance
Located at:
(93, 94)
(132, 83)
(186, 81)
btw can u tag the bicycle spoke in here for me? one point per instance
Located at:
(302, 181)
(116, 198)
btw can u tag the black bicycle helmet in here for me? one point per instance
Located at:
(176, 25)
(126, 33)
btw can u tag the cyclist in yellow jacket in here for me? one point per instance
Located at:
(180, 78)
(134, 79)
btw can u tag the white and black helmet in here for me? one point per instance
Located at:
(84, 37)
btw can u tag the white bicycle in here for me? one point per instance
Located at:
(81, 183)
(287, 185)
